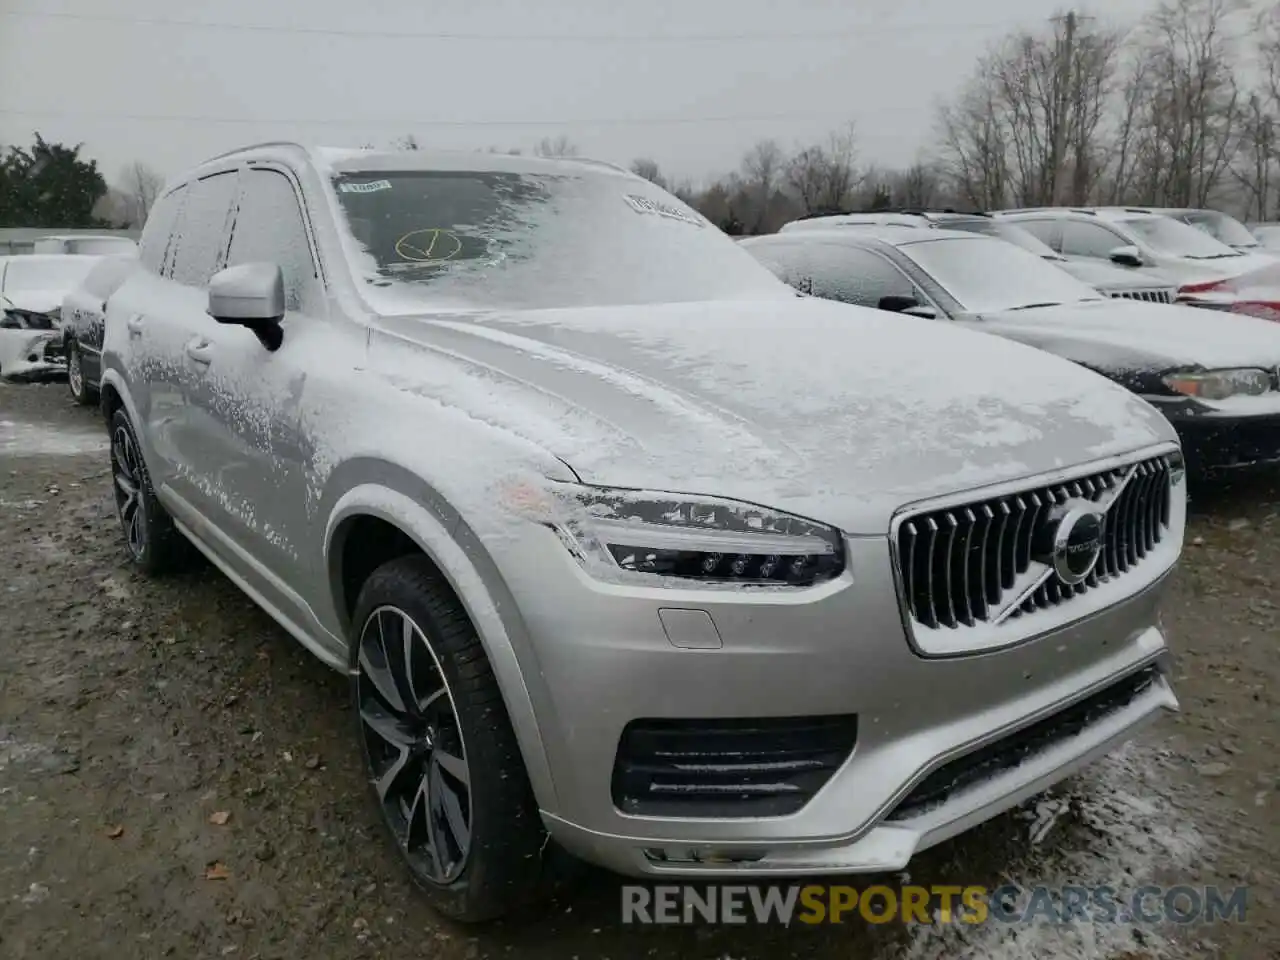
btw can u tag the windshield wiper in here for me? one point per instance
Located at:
(1215, 256)
(1037, 306)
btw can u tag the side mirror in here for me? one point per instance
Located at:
(908, 305)
(250, 295)
(1127, 256)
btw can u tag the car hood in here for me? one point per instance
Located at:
(834, 412)
(1103, 276)
(1120, 335)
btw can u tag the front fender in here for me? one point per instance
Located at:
(444, 537)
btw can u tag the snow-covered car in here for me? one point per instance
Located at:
(1208, 272)
(1215, 377)
(624, 547)
(83, 317)
(1221, 226)
(1267, 234)
(1152, 286)
(30, 344)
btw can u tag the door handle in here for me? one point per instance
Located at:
(200, 351)
(134, 325)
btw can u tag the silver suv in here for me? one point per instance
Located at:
(622, 543)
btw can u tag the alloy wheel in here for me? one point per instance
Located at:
(413, 743)
(126, 472)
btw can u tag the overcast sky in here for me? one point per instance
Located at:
(129, 82)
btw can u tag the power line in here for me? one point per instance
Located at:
(811, 35)
(419, 122)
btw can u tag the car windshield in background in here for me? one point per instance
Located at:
(535, 240)
(1004, 231)
(1222, 227)
(32, 272)
(1179, 239)
(985, 275)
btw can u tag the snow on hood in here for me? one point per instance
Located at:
(36, 301)
(838, 413)
(1131, 335)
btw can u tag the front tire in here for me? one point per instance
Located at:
(155, 545)
(441, 754)
(81, 392)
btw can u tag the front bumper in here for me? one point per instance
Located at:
(600, 658)
(1223, 441)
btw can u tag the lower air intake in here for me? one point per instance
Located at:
(728, 768)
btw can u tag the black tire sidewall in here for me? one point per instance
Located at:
(147, 502)
(503, 868)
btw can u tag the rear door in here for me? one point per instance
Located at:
(171, 324)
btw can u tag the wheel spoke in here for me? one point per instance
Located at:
(418, 834)
(453, 765)
(451, 806)
(385, 781)
(378, 674)
(397, 632)
(384, 726)
(126, 485)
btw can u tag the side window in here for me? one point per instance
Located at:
(858, 276)
(1042, 230)
(159, 228)
(269, 228)
(199, 240)
(1088, 240)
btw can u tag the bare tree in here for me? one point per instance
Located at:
(560, 146)
(761, 175)
(649, 169)
(140, 185)
(841, 169)
(1189, 104)
(807, 176)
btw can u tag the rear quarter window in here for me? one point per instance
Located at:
(159, 228)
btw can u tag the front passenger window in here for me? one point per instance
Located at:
(269, 228)
(1089, 240)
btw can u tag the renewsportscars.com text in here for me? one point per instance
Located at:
(818, 903)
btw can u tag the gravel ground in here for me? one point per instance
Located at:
(179, 779)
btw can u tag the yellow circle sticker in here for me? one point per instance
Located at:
(429, 246)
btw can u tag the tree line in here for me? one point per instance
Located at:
(1180, 108)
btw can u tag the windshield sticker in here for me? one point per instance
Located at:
(373, 186)
(644, 205)
(433, 245)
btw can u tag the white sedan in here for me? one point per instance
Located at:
(31, 292)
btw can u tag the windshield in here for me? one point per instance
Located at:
(1179, 239)
(1222, 227)
(34, 272)
(984, 275)
(1004, 231)
(468, 238)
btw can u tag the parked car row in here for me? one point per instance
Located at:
(628, 549)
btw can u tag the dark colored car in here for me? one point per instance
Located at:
(83, 319)
(1218, 385)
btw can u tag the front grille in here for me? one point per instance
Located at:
(53, 352)
(1146, 296)
(728, 768)
(1021, 745)
(962, 566)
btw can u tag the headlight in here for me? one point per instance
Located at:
(1220, 384)
(611, 530)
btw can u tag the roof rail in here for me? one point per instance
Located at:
(1060, 209)
(255, 146)
(598, 163)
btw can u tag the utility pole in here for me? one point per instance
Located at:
(1066, 52)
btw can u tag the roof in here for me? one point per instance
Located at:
(1101, 213)
(52, 257)
(895, 236)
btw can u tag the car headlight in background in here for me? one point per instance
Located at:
(1220, 384)
(698, 538)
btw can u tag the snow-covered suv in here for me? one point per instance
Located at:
(622, 543)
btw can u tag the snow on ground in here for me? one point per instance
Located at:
(18, 439)
(1113, 826)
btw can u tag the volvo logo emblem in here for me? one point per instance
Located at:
(1077, 543)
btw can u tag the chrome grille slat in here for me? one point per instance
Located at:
(960, 566)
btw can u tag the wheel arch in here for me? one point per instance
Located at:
(416, 512)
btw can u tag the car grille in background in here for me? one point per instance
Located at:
(1009, 752)
(728, 768)
(1147, 296)
(53, 352)
(958, 564)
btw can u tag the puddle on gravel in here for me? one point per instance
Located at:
(18, 439)
(1123, 832)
